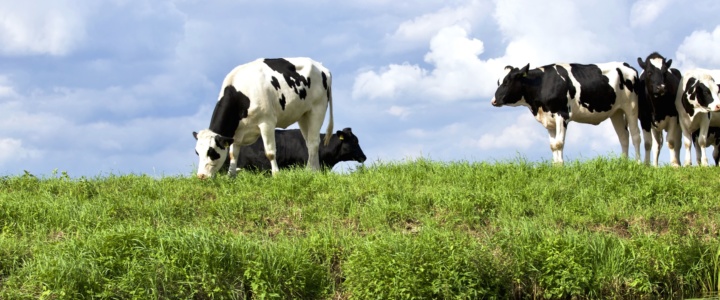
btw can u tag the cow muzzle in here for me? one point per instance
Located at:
(494, 103)
(202, 176)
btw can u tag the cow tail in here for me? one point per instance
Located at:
(329, 130)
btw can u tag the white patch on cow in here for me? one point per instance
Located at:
(546, 119)
(657, 62)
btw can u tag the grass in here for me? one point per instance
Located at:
(603, 228)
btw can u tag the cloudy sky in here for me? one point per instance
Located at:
(97, 87)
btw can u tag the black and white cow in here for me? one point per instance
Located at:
(275, 93)
(559, 93)
(659, 84)
(698, 108)
(713, 138)
(292, 151)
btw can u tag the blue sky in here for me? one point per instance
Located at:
(115, 87)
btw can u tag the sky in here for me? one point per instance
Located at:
(110, 87)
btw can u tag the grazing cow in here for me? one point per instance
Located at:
(698, 108)
(291, 151)
(559, 93)
(713, 138)
(659, 84)
(275, 93)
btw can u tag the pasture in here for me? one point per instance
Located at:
(420, 229)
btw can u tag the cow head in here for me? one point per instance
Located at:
(655, 69)
(349, 146)
(701, 92)
(211, 149)
(510, 88)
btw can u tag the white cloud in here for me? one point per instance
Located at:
(701, 49)
(560, 31)
(419, 30)
(12, 150)
(522, 134)
(644, 12)
(458, 73)
(41, 27)
(399, 111)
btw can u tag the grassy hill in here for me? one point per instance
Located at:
(408, 230)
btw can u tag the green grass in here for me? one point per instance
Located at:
(603, 228)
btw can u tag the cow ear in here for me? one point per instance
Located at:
(340, 134)
(668, 63)
(524, 70)
(641, 63)
(195, 134)
(223, 142)
(230, 91)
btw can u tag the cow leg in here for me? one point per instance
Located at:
(557, 139)
(267, 133)
(673, 140)
(698, 154)
(648, 141)
(620, 125)
(716, 154)
(234, 154)
(702, 142)
(687, 143)
(657, 140)
(310, 125)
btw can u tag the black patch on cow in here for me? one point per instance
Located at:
(684, 100)
(703, 94)
(596, 94)
(229, 110)
(324, 80)
(629, 84)
(645, 109)
(293, 79)
(626, 83)
(212, 154)
(565, 76)
(282, 101)
(275, 83)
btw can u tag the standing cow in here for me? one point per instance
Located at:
(713, 138)
(278, 92)
(559, 93)
(659, 85)
(291, 151)
(698, 108)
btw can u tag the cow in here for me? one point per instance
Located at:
(274, 93)
(292, 151)
(698, 108)
(657, 112)
(713, 138)
(559, 93)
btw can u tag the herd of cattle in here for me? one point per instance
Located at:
(265, 94)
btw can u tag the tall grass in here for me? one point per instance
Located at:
(604, 228)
